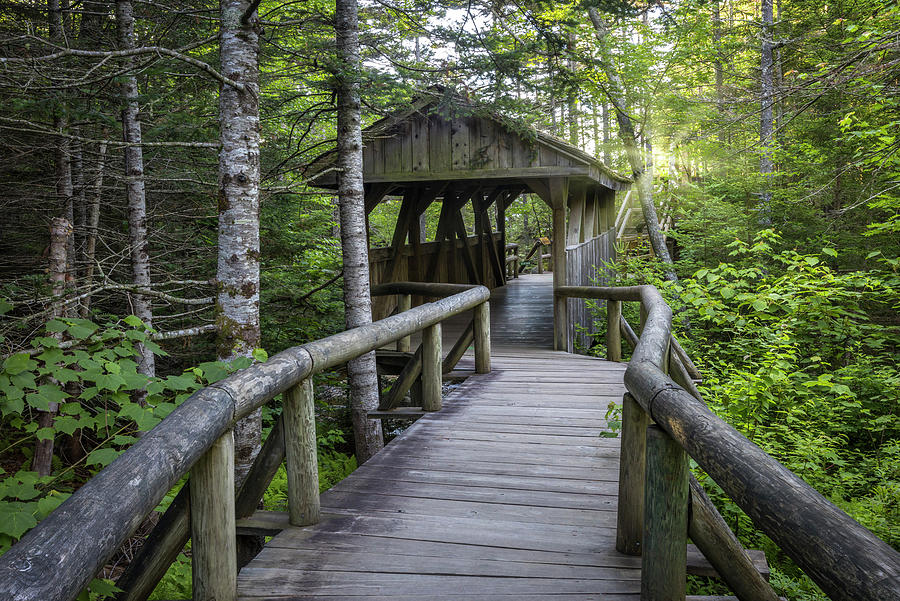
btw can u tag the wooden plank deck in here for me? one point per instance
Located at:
(508, 493)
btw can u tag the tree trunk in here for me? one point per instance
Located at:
(60, 233)
(134, 188)
(607, 158)
(643, 177)
(766, 164)
(237, 306)
(357, 299)
(572, 101)
(92, 224)
(717, 66)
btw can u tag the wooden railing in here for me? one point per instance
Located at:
(660, 505)
(57, 558)
(586, 263)
(512, 261)
(426, 363)
(538, 247)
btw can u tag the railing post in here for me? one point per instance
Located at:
(431, 367)
(540, 254)
(632, 467)
(404, 303)
(613, 331)
(301, 462)
(664, 556)
(214, 565)
(482, 338)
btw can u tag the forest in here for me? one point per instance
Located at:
(159, 231)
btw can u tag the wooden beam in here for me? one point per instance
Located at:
(375, 193)
(574, 232)
(559, 191)
(468, 259)
(589, 227)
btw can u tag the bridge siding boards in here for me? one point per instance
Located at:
(508, 493)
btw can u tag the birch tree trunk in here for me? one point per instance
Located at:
(237, 303)
(134, 188)
(767, 63)
(643, 176)
(60, 234)
(354, 247)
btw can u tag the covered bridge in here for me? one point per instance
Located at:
(446, 149)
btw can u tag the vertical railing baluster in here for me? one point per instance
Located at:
(664, 553)
(214, 549)
(482, 338)
(431, 368)
(613, 331)
(301, 462)
(632, 467)
(404, 303)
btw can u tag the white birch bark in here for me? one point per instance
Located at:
(60, 234)
(643, 176)
(141, 305)
(354, 247)
(237, 305)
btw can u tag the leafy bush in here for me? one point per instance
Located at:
(802, 359)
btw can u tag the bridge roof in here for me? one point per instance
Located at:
(444, 137)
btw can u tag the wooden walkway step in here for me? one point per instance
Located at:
(508, 491)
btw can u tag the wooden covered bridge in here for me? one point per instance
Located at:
(504, 488)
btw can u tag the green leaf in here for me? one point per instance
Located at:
(16, 364)
(727, 292)
(52, 393)
(46, 341)
(45, 434)
(57, 326)
(812, 260)
(260, 355)
(16, 519)
(5, 306)
(134, 321)
(65, 375)
(759, 304)
(101, 457)
(46, 505)
(65, 424)
(81, 328)
(830, 252)
(51, 356)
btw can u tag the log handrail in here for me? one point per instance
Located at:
(475, 331)
(57, 558)
(840, 555)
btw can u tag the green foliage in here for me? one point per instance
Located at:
(802, 359)
(90, 380)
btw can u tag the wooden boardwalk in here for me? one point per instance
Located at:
(507, 493)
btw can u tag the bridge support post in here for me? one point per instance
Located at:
(483, 338)
(404, 303)
(431, 366)
(301, 462)
(214, 566)
(632, 467)
(664, 556)
(614, 333)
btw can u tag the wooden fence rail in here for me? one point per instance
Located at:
(58, 558)
(845, 559)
